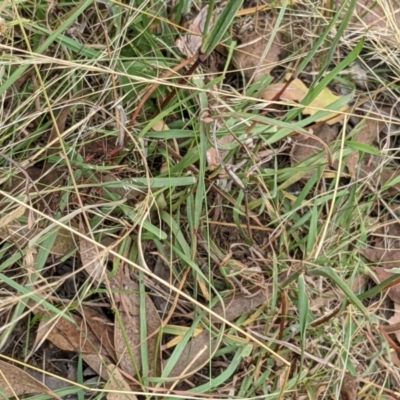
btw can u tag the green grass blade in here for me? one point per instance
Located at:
(221, 26)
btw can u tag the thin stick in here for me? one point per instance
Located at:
(157, 84)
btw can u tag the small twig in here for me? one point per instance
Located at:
(284, 310)
(157, 84)
(180, 82)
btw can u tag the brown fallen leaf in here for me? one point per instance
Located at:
(129, 328)
(197, 353)
(117, 382)
(101, 326)
(252, 56)
(297, 90)
(305, 146)
(190, 44)
(214, 156)
(16, 382)
(98, 363)
(93, 262)
(70, 336)
(239, 305)
(348, 391)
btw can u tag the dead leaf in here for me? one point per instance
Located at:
(305, 146)
(251, 56)
(102, 327)
(70, 336)
(98, 363)
(348, 391)
(369, 130)
(297, 90)
(190, 44)
(117, 382)
(160, 126)
(92, 261)
(16, 382)
(239, 305)
(214, 156)
(194, 356)
(129, 311)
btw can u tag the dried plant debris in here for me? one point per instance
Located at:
(16, 382)
(258, 53)
(91, 257)
(102, 327)
(118, 385)
(190, 44)
(98, 363)
(348, 391)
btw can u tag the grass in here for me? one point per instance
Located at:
(201, 242)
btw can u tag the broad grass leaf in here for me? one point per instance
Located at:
(383, 273)
(368, 132)
(16, 382)
(220, 27)
(117, 382)
(127, 339)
